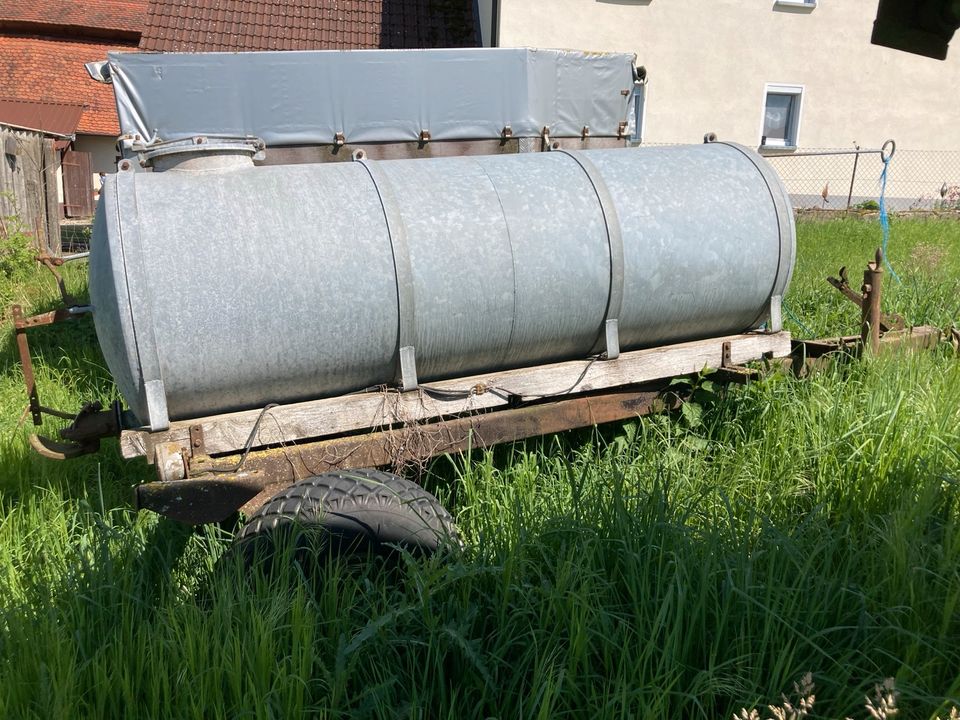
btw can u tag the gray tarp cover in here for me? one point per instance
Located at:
(305, 98)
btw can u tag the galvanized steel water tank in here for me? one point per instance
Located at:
(218, 285)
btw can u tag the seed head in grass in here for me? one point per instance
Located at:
(788, 709)
(884, 702)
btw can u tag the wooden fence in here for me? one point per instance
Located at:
(28, 185)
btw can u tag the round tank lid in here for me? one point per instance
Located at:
(166, 154)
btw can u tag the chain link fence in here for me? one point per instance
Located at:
(840, 179)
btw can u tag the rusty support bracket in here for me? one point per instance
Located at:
(26, 362)
(21, 324)
(83, 434)
(196, 440)
(545, 138)
(424, 138)
(52, 263)
(872, 290)
(622, 130)
(730, 371)
(888, 322)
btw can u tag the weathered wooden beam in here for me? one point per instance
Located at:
(210, 496)
(51, 199)
(387, 408)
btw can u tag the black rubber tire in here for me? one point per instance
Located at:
(349, 512)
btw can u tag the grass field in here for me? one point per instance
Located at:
(679, 566)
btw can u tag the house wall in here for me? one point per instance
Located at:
(102, 149)
(708, 62)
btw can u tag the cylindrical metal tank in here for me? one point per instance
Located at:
(220, 286)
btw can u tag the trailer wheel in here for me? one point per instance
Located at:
(348, 512)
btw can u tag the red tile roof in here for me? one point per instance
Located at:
(125, 16)
(40, 69)
(58, 118)
(231, 25)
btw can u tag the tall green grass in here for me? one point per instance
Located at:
(675, 566)
(924, 254)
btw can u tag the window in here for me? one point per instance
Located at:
(795, 4)
(780, 127)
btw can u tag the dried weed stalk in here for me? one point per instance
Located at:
(882, 706)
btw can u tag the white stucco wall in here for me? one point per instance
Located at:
(102, 149)
(708, 62)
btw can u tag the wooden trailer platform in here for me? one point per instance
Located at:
(208, 468)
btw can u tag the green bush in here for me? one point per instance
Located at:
(17, 250)
(17, 261)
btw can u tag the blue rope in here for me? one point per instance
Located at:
(793, 317)
(884, 219)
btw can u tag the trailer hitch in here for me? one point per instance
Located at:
(87, 427)
(83, 435)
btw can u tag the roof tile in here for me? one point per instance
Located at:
(40, 69)
(232, 25)
(123, 15)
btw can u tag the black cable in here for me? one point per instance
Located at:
(575, 384)
(437, 393)
(249, 444)
(443, 394)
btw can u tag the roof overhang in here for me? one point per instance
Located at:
(54, 119)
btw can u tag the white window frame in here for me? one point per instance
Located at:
(801, 4)
(793, 130)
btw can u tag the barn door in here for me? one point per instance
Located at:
(77, 184)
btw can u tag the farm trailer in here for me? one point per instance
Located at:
(423, 273)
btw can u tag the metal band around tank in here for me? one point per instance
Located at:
(785, 224)
(610, 339)
(141, 314)
(397, 232)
